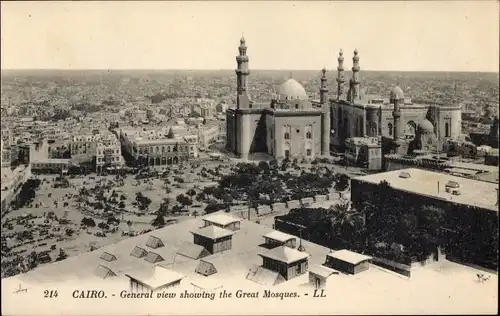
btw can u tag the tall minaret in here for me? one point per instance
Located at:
(340, 76)
(355, 75)
(325, 118)
(323, 90)
(242, 100)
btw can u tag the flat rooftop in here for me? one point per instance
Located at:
(221, 219)
(349, 256)
(279, 236)
(232, 264)
(473, 192)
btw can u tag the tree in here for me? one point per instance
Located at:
(342, 182)
(62, 255)
(89, 222)
(170, 134)
(191, 192)
(347, 224)
(164, 207)
(159, 221)
(184, 200)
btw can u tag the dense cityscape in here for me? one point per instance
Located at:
(101, 168)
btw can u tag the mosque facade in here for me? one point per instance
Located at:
(365, 126)
(290, 125)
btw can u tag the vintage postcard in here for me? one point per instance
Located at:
(249, 158)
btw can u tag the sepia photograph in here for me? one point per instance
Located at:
(249, 157)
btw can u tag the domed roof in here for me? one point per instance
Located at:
(397, 93)
(291, 89)
(426, 126)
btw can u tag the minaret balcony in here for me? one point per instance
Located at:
(355, 68)
(241, 58)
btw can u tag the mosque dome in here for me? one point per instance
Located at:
(397, 93)
(292, 90)
(426, 126)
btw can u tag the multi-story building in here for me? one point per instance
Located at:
(103, 146)
(108, 155)
(208, 135)
(6, 155)
(154, 148)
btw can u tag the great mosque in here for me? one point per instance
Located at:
(365, 126)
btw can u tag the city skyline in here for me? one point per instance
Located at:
(280, 35)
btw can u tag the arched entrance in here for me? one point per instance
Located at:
(158, 161)
(287, 150)
(163, 161)
(151, 161)
(169, 160)
(175, 160)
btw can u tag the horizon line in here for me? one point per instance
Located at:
(229, 69)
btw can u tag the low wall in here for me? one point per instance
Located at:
(293, 204)
(263, 210)
(332, 196)
(399, 268)
(320, 198)
(278, 207)
(307, 201)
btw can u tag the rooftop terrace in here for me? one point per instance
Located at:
(472, 192)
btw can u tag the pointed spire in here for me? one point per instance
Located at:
(340, 75)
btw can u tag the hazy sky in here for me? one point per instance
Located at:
(398, 35)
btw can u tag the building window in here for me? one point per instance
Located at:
(287, 135)
(296, 106)
(309, 152)
(308, 135)
(447, 129)
(287, 153)
(389, 126)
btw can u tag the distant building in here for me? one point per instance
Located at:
(50, 165)
(208, 135)
(101, 148)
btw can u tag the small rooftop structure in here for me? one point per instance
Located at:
(106, 256)
(347, 261)
(265, 276)
(284, 254)
(318, 275)
(158, 278)
(213, 238)
(223, 220)
(154, 242)
(213, 232)
(192, 251)
(153, 257)
(104, 272)
(138, 252)
(277, 238)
